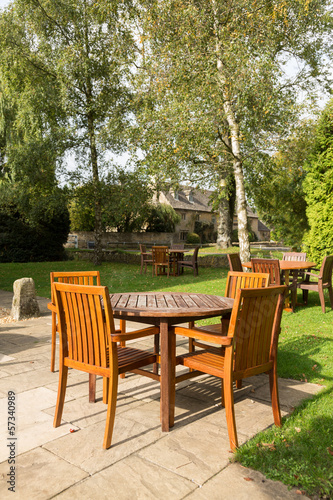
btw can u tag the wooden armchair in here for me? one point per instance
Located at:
(75, 278)
(250, 348)
(272, 266)
(235, 263)
(323, 281)
(161, 261)
(193, 263)
(299, 256)
(88, 342)
(146, 258)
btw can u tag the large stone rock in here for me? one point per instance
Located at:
(24, 304)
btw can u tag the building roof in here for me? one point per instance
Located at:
(262, 227)
(200, 203)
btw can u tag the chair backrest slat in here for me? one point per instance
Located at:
(270, 266)
(238, 280)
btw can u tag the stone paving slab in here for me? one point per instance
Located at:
(143, 462)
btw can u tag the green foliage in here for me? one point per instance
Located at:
(125, 202)
(193, 238)
(162, 219)
(318, 187)
(275, 184)
(35, 231)
(205, 230)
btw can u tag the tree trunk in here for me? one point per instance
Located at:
(243, 235)
(224, 226)
(98, 229)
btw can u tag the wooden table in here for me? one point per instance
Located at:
(287, 266)
(165, 309)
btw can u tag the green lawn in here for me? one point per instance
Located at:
(301, 452)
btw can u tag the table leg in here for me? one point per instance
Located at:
(167, 381)
(287, 301)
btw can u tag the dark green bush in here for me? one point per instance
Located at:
(193, 238)
(39, 239)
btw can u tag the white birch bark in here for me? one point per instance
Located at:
(243, 235)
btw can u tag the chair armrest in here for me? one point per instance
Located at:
(202, 335)
(52, 307)
(153, 330)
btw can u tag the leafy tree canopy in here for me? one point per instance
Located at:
(318, 188)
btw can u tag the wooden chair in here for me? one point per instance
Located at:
(299, 256)
(193, 263)
(323, 281)
(272, 266)
(161, 262)
(79, 278)
(75, 278)
(88, 342)
(235, 263)
(250, 348)
(146, 258)
(235, 280)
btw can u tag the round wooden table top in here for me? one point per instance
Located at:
(288, 265)
(169, 305)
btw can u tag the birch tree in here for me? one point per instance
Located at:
(225, 60)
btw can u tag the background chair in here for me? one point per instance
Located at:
(88, 343)
(250, 348)
(300, 256)
(323, 281)
(161, 263)
(146, 258)
(177, 246)
(235, 263)
(193, 263)
(272, 266)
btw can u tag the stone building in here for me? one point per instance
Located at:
(194, 205)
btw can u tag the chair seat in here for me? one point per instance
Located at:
(213, 364)
(133, 358)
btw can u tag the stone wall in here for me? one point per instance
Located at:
(132, 258)
(85, 239)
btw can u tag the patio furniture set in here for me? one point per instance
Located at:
(242, 344)
(165, 260)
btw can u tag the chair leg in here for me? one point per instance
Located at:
(53, 340)
(239, 384)
(111, 412)
(330, 293)
(305, 296)
(105, 390)
(63, 372)
(230, 413)
(222, 393)
(92, 388)
(273, 385)
(156, 351)
(322, 298)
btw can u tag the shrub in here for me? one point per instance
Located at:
(193, 238)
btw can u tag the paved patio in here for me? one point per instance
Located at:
(192, 461)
